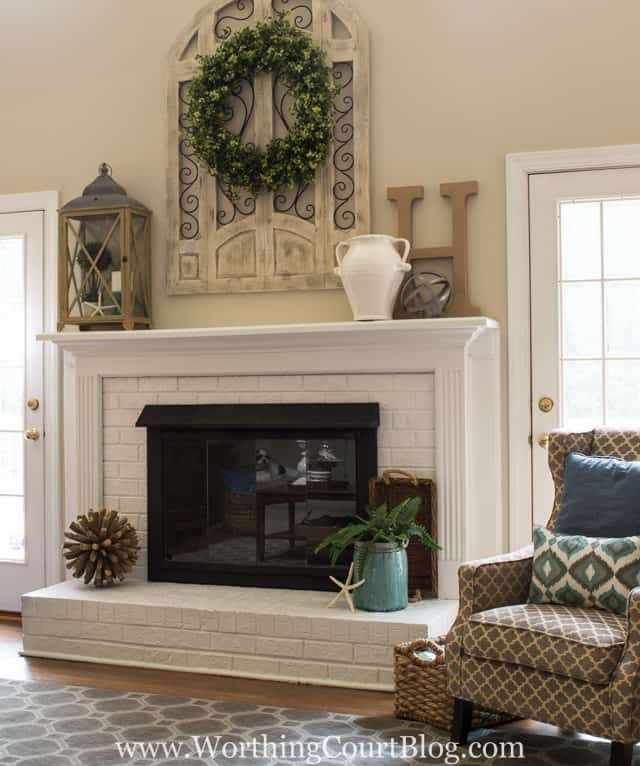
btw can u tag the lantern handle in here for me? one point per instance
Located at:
(105, 169)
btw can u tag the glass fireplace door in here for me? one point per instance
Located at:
(242, 494)
(258, 500)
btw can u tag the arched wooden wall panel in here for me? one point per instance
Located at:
(283, 240)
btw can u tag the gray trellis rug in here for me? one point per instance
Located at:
(44, 724)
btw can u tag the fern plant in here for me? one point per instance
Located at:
(397, 526)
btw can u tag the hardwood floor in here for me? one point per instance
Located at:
(353, 701)
(12, 665)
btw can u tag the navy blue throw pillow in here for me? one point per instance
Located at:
(601, 497)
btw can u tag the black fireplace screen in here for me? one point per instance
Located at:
(243, 494)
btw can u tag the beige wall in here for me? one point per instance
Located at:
(456, 85)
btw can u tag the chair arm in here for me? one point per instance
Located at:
(625, 686)
(497, 581)
(633, 622)
(486, 584)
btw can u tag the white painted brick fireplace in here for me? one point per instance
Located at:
(438, 386)
(406, 437)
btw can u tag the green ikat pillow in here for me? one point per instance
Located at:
(584, 571)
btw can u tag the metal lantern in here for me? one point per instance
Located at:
(105, 259)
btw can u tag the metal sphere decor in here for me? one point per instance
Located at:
(426, 294)
(101, 546)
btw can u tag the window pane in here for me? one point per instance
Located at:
(580, 240)
(11, 529)
(12, 301)
(11, 398)
(582, 394)
(11, 464)
(623, 392)
(623, 318)
(11, 269)
(581, 319)
(621, 238)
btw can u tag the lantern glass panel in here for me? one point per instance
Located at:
(139, 264)
(93, 256)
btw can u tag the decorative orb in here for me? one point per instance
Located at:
(426, 294)
(101, 546)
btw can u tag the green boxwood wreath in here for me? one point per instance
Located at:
(273, 45)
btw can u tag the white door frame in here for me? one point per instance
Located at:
(47, 202)
(519, 167)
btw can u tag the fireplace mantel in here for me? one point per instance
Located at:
(453, 332)
(462, 353)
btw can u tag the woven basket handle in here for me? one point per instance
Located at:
(420, 645)
(391, 472)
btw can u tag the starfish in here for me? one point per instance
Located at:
(346, 588)
(99, 308)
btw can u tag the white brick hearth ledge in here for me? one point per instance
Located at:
(438, 385)
(282, 635)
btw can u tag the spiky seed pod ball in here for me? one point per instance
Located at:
(101, 546)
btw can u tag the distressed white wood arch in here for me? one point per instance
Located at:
(211, 250)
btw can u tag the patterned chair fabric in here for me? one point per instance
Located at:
(561, 443)
(585, 644)
(575, 668)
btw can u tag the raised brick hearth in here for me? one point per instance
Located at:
(249, 632)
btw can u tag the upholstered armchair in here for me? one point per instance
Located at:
(576, 668)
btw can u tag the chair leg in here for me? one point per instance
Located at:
(462, 712)
(621, 754)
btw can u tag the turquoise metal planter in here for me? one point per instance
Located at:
(387, 584)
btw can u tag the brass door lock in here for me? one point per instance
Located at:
(32, 434)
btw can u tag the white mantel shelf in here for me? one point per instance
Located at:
(462, 354)
(441, 332)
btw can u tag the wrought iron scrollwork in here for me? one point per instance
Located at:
(224, 27)
(188, 173)
(238, 111)
(238, 108)
(293, 201)
(301, 12)
(344, 215)
(300, 200)
(282, 100)
(230, 206)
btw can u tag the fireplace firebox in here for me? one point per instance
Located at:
(242, 494)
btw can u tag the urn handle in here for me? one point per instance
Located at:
(339, 246)
(407, 247)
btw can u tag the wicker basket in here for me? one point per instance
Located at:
(421, 687)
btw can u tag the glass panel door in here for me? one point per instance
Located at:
(585, 309)
(21, 459)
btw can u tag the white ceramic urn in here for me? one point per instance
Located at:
(372, 271)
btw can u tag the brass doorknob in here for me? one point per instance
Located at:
(545, 404)
(543, 440)
(33, 404)
(32, 434)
